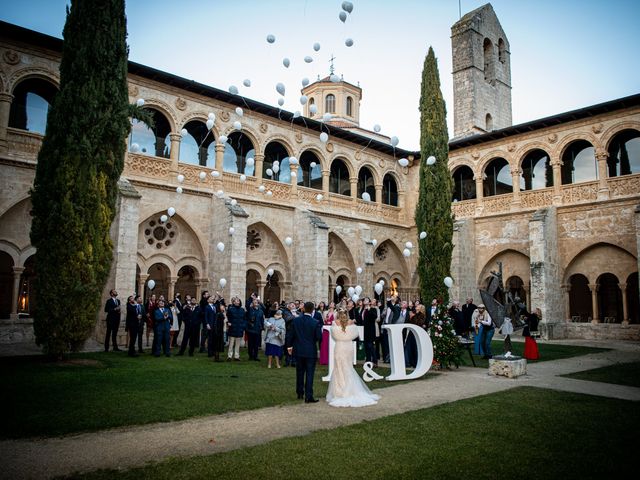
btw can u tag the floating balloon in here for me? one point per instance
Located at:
(296, 114)
(280, 88)
(408, 245)
(293, 161)
(220, 193)
(220, 247)
(347, 7)
(358, 289)
(377, 128)
(288, 241)
(305, 81)
(355, 298)
(342, 16)
(233, 90)
(239, 111)
(326, 117)
(215, 173)
(203, 175)
(276, 168)
(246, 82)
(140, 102)
(269, 172)
(271, 38)
(135, 148)
(281, 101)
(374, 242)
(394, 141)
(222, 282)
(286, 62)
(294, 174)
(151, 284)
(232, 230)
(319, 197)
(324, 137)
(423, 235)
(406, 252)
(233, 203)
(313, 164)
(351, 291)
(250, 162)
(316, 46)
(184, 132)
(270, 272)
(359, 270)
(349, 42)
(308, 59)
(180, 178)
(222, 139)
(164, 218)
(431, 160)
(178, 189)
(243, 178)
(171, 211)
(378, 288)
(338, 289)
(403, 162)
(448, 281)
(209, 124)
(313, 109)
(366, 197)
(237, 125)
(262, 188)
(334, 78)
(269, 193)
(212, 116)
(303, 100)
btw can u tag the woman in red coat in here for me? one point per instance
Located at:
(529, 333)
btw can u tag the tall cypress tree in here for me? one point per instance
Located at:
(433, 212)
(75, 187)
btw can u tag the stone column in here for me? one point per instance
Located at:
(260, 284)
(603, 187)
(625, 310)
(198, 284)
(353, 181)
(308, 254)
(257, 172)
(379, 193)
(515, 180)
(294, 180)
(567, 301)
(5, 109)
(17, 274)
(556, 165)
(479, 193)
(326, 174)
(594, 287)
(174, 152)
(220, 159)
(172, 288)
(527, 288)
(141, 284)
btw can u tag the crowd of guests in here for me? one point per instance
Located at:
(210, 326)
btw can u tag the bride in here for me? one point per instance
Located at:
(346, 388)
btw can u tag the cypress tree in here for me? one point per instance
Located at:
(79, 164)
(433, 212)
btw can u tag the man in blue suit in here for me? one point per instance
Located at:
(301, 342)
(161, 329)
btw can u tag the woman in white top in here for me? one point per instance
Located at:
(346, 388)
(175, 326)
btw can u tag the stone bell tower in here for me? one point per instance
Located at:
(481, 74)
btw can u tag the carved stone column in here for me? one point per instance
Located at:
(378, 193)
(294, 180)
(594, 287)
(479, 193)
(220, 159)
(353, 181)
(172, 288)
(257, 172)
(603, 187)
(556, 165)
(142, 281)
(17, 274)
(515, 180)
(625, 309)
(260, 284)
(5, 108)
(567, 301)
(174, 152)
(326, 174)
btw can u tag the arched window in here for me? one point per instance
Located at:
(339, 178)
(198, 145)
(151, 141)
(497, 178)
(272, 291)
(310, 171)
(349, 107)
(330, 104)
(624, 154)
(536, 171)
(251, 285)
(6, 284)
(389, 190)
(502, 51)
(275, 151)
(464, 186)
(30, 106)
(236, 151)
(579, 163)
(488, 122)
(580, 299)
(609, 299)
(366, 183)
(633, 302)
(26, 294)
(489, 61)
(186, 283)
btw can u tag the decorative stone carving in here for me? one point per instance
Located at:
(263, 128)
(475, 154)
(358, 155)
(10, 57)
(254, 239)
(381, 163)
(225, 116)
(597, 128)
(298, 137)
(181, 104)
(133, 90)
(158, 234)
(329, 147)
(553, 138)
(511, 147)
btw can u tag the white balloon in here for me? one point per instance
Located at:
(151, 284)
(351, 291)
(269, 193)
(303, 100)
(178, 189)
(246, 82)
(276, 162)
(276, 168)
(250, 162)
(270, 272)
(374, 242)
(349, 42)
(359, 270)
(305, 81)
(308, 59)
(222, 282)
(338, 289)
(269, 172)
(233, 90)
(220, 193)
(403, 162)
(293, 161)
(212, 116)
(326, 117)
(378, 288)
(324, 137)
(140, 102)
(313, 109)
(209, 124)
(171, 211)
(220, 247)
(342, 16)
(355, 298)
(366, 197)
(288, 241)
(448, 281)
(180, 178)
(294, 174)
(408, 245)
(135, 148)
(203, 175)
(233, 203)
(358, 289)
(296, 114)
(377, 128)
(334, 78)
(243, 178)
(423, 235)
(280, 88)
(232, 230)
(406, 252)
(239, 111)
(164, 218)
(281, 101)
(316, 46)
(262, 188)
(271, 38)
(347, 7)
(319, 197)
(215, 173)
(431, 160)
(286, 62)
(184, 132)
(237, 125)
(394, 141)
(222, 139)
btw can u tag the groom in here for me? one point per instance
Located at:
(302, 338)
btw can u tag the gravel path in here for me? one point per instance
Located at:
(130, 446)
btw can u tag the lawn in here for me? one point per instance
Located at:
(620, 374)
(520, 433)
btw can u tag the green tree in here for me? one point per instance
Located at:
(433, 212)
(79, 164)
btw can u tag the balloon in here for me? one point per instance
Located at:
(296, 114)
(374, 242)
(243, 178)
(288, 241)
(319, 197)
(377, 128)
(406, 252)
(324, 137)
(351, 291)
(233, 203)
(305, 81)
(347, 7)
(294, 174)
(220, 193)
(316, 46)
(308, 59)
(233, 90)
(270, 272)
(140, 102)
(423, 235)
(222, 282)
(180, 178)
(378, 288)
(286, 62)
(246, 82)
(212, 116)
(366, 197)
(359, 270)
(209, 124)
(222, 139)
(250, 162)
(394, 141)
(403, 162)
(171, 211)
(355, 298)
(269, 172)
(408, 245)
(348, 42)
(232, 230)
(358, 289)
(262, 188)
(269, 193)
(280, 88)
(220, 247)
(334, 78)
(313, 109)
(338, 289)
(448, 281)
(239, 111)
(326, 117)
(215, 173)
(342, 16)
(203, 175)
(237, 125)
(151, 284)
(276, 168)
(178, 189)
(303, 100)
(281, 101)
(135, 148)
(271, 38)
(313, 164)
(184, 132)
(431, 160)
(164, 218)
(293, 160)
(276, 162)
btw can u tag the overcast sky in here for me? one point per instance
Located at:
(565, 54)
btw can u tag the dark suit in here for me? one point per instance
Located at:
(303, 336)
(210, 316)
(161, 331)
(369, 316)
(113, 322)
(191, 334)
(467, 312)
(132, 325)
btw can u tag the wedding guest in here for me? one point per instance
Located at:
(369, 316)
(431, 312)
(458, 320)
(204, 301)
(255, 325)
(289, 313)
(275, 338)
(391, 315)
(177, 302)
(210, 315)
(467, 312)
(221, 316)
(174, 330)
(410, 344)
(530, 329)
(188, 332)
(404, 313)
(131, 324)
(142, 320)
(236, 324)
(329, 317)
(377, 342)
(487, 330)
(161, 329)
(477, 329)
(112, 309)
(150, 309)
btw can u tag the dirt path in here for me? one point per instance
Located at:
(131, 446)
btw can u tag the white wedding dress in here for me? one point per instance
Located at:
(346, 388)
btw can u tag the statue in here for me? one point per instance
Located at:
(512, 307)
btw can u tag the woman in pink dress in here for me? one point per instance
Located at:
(328, 318)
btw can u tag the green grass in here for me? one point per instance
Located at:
(620, 374)
(521, 433)
(104, 390)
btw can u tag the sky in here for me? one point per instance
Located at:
(565, 54)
